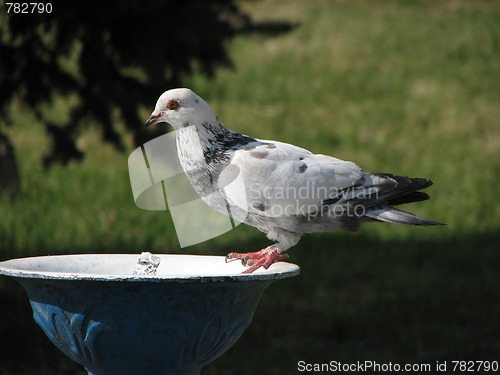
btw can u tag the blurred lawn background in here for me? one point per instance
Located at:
(407, 87)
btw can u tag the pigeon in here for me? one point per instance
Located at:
(281, 189)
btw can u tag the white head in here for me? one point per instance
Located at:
(181, 108)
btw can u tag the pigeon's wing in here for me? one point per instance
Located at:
(277, 179)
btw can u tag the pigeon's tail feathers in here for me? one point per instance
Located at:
(394, 215)
(395, 190)
(399, 189)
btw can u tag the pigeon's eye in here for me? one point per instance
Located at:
(173, 104)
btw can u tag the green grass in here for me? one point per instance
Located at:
(396, 86)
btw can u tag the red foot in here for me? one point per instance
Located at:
(263, 258)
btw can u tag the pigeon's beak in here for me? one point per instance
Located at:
(153, 119)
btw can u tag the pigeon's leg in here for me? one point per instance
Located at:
(263, 258)
(270, 254)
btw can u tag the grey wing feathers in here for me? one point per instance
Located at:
(398, 190)
(391, 214)
(378, 192)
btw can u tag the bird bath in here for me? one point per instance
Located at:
(112, 322)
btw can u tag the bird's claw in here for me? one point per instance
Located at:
(264, 258)
(235, 256)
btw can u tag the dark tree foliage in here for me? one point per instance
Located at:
(113, 54)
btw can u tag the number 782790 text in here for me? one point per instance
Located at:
(28, 8)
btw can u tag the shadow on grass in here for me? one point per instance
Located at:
(358, 298)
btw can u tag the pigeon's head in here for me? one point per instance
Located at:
(181, 108)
